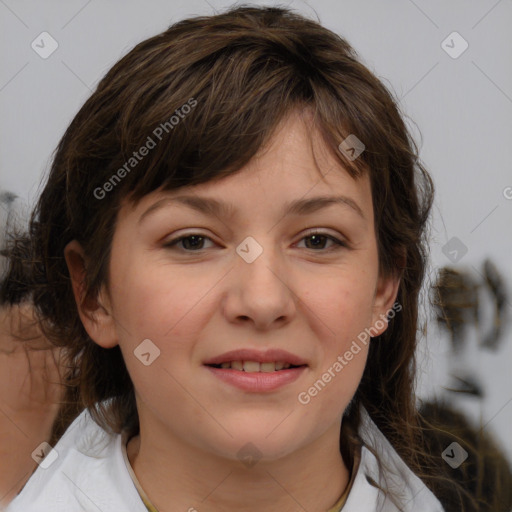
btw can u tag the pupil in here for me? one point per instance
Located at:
(318, 239)
(196, 240)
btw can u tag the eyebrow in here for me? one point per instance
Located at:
(210, 206)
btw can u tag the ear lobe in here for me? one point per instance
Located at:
(95, 312)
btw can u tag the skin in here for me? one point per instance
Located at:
(195, 305)
(30, 390)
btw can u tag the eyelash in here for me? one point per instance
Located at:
(171, 244)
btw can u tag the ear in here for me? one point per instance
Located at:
(384, 301)
(95, 312)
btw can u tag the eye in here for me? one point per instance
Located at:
(315, 240)
(318, 239)
(189, 243)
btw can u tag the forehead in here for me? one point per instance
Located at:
(296, 152)
(295, 163)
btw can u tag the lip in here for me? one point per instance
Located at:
(267, 356)
(257, 382)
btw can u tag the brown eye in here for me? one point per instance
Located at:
(188, 242)
(317, 241)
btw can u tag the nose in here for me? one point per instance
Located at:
(260, 292)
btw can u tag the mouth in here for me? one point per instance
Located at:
(255, 366)
(253, 360)
(256, 371)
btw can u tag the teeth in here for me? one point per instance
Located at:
(254, 366)
(237, 365)
(251, 366)
(267, 367)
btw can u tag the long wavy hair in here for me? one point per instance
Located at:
(243, 71)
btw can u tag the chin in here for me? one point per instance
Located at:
(268, 445)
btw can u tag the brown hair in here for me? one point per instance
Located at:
(486, 474)
(245, 69)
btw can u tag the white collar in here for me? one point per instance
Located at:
(405, 492)
(90, 470)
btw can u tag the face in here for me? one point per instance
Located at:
(256, 275)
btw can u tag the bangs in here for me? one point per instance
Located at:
(206, 118)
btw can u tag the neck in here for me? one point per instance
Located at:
(178, 476)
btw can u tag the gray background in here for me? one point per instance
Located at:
(458, 109)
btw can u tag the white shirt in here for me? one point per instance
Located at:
(90, 474)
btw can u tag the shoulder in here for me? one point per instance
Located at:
(383, 481)
(85, 470)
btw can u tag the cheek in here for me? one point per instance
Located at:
(342, 309)
(342, 303)
(161, 303)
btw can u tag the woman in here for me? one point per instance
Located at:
(230, 246)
